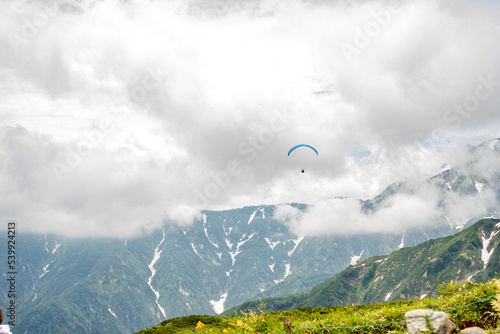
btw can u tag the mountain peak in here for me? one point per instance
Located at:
(493, 144)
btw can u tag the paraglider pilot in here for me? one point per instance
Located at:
(302, 170)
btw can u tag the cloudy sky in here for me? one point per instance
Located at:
(118, 115)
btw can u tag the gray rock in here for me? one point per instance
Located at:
(417, 321)
(473, 330)
(451, 326)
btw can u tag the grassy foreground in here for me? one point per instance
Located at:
(467, 305)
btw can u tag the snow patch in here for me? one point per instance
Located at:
(271, 266)
(184, 293)
(423, 296)
(390, 293)
(44, 270)
(233, 256)
(479, 185)
(470, 277)
(263, 214)
(288, 272)
(56, 247)
(218, 305)
(252, 216)
(493, 143)
(450, 184)
(228, 232)
(156, 257)
(213, 243)
(296, 242)
(242, 242)
(402, 244)
(192, 246)
(485, 254)
(114, 315)
(229, 244)
(355, 258)
(206, 232)
(272, 244)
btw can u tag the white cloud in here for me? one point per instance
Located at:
(427, 207)
(183, 214)
(285, 212)
(343, 216)
(190, 105)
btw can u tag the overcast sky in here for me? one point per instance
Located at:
(115, 116)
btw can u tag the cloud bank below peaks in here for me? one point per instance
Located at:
(450, 199)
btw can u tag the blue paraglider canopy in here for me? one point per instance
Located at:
(302, 145)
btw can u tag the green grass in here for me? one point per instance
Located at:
(464, 304)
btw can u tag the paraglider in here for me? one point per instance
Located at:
(302, 145)
(302, 170)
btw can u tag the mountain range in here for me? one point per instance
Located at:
(412, 272)
(226, 258)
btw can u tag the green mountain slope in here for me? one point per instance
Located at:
(408, 273)
(87, 286)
